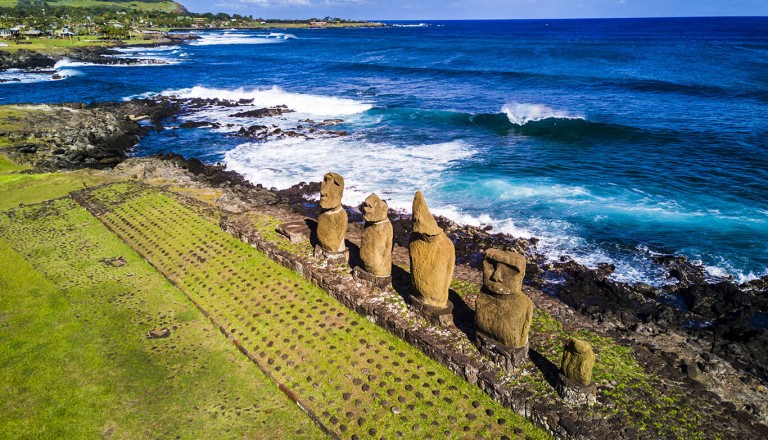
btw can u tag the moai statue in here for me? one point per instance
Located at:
(376, 243)
(503, 313)
(332, 221)
(575, 378)
(432, 262)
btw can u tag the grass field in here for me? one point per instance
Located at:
(75, 359)
(26, 188)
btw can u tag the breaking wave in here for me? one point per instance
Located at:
(301, 103)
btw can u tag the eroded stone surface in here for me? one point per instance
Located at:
(503, 311)
(332, 222)
(432, 257)
(376, 240)
(578, 361)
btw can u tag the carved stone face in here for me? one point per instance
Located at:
(503, 272)
(331, 191)
(374, 209)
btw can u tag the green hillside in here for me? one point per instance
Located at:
(145, 5)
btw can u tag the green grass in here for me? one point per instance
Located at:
(75, 361)
(19, 189)
(165, 6)
(359, 379)
(61, 46)
(12, 119)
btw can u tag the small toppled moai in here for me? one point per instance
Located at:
(503, 313)
(575, 378)
(432, 263)
(375, 244)
(332, 221)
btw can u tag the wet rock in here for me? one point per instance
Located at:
(681, 269)
(199, 124)
(262, 112)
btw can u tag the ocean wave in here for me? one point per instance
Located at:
(725, 270)
(66, 62)
(146, 49)
(280, 36)
(17, 76)
(138, 62)
(522, 113)
(229, 38)
(532, 120)
(301, 103)
(366, 166)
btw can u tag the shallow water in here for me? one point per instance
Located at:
(611, 140)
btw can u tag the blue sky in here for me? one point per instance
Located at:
(477, 9)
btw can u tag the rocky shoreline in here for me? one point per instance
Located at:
(31, 60)
(714, 333)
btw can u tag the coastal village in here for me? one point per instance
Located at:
(20, 26)
(161, 296)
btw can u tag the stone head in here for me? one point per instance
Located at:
(503, 272)
(374, 209)
(423, 222)
(331, 191)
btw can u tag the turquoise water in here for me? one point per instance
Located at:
(610, 140)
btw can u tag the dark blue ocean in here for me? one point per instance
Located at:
(610, 140)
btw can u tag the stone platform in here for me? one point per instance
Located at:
(507, 357)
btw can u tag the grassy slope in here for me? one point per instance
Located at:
(61, 46)
(167, 6)
(74, 359)
(17, 188)
(75, 362)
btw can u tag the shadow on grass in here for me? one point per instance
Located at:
(548, 369)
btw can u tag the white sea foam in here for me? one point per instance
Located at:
(17, 76)
(503, 190)
(367, 167)
(150, 55)
(521, 113)
(146, 49)
(226, 38)
(66, 62)
(724, 269)
(317, 105)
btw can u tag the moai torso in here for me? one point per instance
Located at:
(376, 242)
(332, 222)
(432, 257)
